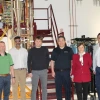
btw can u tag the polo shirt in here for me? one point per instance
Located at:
(5, 63)
(62, 57)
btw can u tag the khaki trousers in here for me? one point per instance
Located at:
(20, 78)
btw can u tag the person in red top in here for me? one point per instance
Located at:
(81, 75)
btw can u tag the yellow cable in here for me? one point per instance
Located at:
(4, 32)
(2, 36)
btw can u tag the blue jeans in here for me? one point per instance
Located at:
(97, 81)
(63, 79)
(5, 82)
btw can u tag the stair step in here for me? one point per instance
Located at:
(50, 50)
(50, 77)
(48, 35)
(49, 72)
(49, 47)
(50, 53)
(48, 41)
(43, 32)
(50, 85)
(53, 96)
(48, 44)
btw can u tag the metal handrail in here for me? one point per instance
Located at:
(52, 25)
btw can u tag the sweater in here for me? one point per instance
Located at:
(38, 59)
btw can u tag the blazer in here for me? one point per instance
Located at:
(81, 73)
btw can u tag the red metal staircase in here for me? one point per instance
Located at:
(50, 34)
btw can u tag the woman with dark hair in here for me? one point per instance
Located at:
(81, 72)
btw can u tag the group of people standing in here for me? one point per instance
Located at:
(66, 67)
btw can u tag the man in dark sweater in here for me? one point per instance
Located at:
(38, 62)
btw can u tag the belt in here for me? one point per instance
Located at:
(4, 74)
(20, 69)
(61, 70)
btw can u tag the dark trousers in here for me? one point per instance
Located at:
(82, 90)
(97, 81)
(63, 78)
(5, 86)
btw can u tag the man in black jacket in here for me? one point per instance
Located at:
(38, 62)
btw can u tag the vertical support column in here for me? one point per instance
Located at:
(12, 29)
(72, 17)
(27, 16)
(31, 17)
(31, 22)
(27, 23)
(18, 14)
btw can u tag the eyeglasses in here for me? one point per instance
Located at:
(18, 41)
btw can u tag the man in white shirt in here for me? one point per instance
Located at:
(19, 56)
(96, 64)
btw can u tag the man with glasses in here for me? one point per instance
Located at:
(19, 56)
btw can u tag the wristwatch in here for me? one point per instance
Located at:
(13, 77)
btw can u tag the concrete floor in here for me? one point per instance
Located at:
(52, 90)
(75, 98)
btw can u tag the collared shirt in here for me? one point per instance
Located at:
(4, 54)
(96, 56)
(19, 57)
(81, 58)
(62, 57)
(5, 63)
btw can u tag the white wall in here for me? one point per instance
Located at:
(88, 16)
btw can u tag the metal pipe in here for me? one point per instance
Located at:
(18, 16)
(12, 17)
(31, 18)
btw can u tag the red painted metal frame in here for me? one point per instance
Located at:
(53, 26)
(50, 15)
